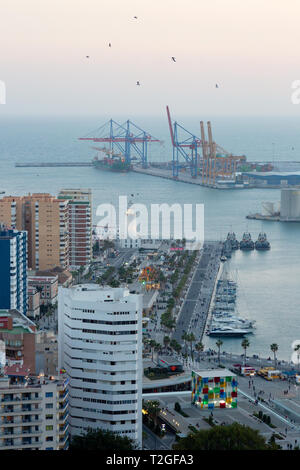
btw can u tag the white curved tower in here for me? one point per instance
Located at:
(100, 347)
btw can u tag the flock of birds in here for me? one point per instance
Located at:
(138, 83)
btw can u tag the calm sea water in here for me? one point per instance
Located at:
(269, 283)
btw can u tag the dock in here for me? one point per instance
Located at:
(52, 164)
(182, 178)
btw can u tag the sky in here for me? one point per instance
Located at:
(249, 48)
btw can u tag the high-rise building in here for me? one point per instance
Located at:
(34, 413)
(13, 269)
(100, 347)
(45, 218)
(80, 225)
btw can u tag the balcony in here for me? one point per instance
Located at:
(20, 433)
(63, 406)
(62, 396)
(62, 428)
(63, 417)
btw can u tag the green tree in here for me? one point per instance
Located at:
(100, 440)
(245, 346)
(232, 437)
(219, 344)
(274, 349)
(153, 409)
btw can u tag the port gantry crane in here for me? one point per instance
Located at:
(187, 148)
(129, 139)
(215, 160)
(215, 164)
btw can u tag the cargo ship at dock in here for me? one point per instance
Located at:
(115, 164)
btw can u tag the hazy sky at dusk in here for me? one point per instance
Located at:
(250, 48)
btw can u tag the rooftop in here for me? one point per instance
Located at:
(214, 373)
(94, 293)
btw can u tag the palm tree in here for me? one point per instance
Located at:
(152, 345)
(185, 338)
(219, 344)
(166, 341)
(245, 345)
(191, 339)
(199, 347)
(297, 350)
(274, 349)
(152, 406)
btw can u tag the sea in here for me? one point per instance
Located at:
(268, 282)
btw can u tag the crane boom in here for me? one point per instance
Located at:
(170, 126)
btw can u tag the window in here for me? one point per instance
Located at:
(49, 438)
(49, 394)
(49, 428)
(49, 416)
(49, 405)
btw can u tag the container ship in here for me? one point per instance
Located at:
(115, 163)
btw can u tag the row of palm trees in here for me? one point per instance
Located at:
(190, 338)
(245, 345)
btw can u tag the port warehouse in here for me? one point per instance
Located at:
(273, 179)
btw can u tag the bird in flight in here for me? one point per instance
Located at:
(135, 17)
(217, 86)
(87, 56)
(109, 44)
(173, 58)
(138, 83)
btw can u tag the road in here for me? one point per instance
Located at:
(194, 311)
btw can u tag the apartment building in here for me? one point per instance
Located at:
(18, 334)
(33, 413)
(80, 225)
(47, 285)
(46, 353)
(46, 220)
(33, 303)
(13, 269)
(100, 347)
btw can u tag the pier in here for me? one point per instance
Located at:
(52, 164)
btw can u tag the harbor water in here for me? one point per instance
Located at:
(268, 282)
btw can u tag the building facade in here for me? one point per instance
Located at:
(100, 347)
(18, 334)
(214, 389)
(33, 413)
(13, 269)
(80, 225)
(47, 285)
(46, 219)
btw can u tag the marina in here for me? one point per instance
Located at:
(223, 322)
